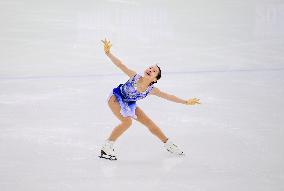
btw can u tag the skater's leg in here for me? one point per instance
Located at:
(125, 121)
(145, 120)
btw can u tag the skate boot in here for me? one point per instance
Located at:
(172, 148)
(107, 151)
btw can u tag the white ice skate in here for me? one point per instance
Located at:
(172, 148)
(107, 151)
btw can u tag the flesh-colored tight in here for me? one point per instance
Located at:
(125, 122)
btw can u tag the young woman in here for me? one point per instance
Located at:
(122, 102)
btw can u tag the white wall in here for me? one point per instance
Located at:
(55, 38)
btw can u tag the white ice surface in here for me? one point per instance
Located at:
(54, 81)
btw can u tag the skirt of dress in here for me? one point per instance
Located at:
(127, 109)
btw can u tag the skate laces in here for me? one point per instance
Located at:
(108, 146)
(172, 148)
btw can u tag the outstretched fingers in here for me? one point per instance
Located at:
(107, 45)
(196, 101)
(193, 101)
(106, 42)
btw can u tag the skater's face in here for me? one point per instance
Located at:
(152, 72)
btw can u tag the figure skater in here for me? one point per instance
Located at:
(122, 102)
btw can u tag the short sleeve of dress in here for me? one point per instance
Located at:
(131, 79)
(137, 76)
(134, 77)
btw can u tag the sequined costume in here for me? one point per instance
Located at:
(127, 95)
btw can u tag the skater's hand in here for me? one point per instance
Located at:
(192, 101)
(107, 46)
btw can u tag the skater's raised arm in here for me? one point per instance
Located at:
(116, 60)
(120, 65)
(170, 97)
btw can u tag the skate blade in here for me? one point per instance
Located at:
(105, 156)
(108, 157)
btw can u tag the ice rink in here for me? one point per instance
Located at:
(55, 78)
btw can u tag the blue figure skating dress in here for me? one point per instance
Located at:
(127, 95)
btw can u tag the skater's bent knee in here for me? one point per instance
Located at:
(127, 121)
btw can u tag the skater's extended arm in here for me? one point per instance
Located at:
(116, 60)
(170, 97)
(120, 65)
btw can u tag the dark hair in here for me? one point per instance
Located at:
(159, 75)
